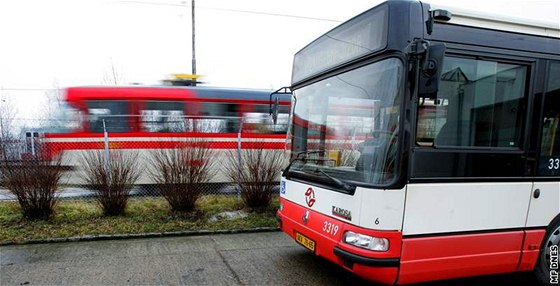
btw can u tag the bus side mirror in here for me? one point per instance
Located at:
(430, 72)
(273, 107)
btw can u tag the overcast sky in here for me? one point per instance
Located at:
(243, 43)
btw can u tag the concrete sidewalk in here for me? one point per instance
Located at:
(265, 258)
(269, 258)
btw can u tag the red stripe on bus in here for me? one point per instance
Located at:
(164, 135)
(453, 256)
(78, 94)
(61, 146)
(531, 249)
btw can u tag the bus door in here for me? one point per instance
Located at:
(465, 199)
(545, 199)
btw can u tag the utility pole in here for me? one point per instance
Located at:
(193, 43)
(179, 79)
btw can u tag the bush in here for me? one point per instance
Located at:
(181, 172)
(112, 182)
(256, 175)
(34, 180)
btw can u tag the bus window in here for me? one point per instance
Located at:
(114, 112)
(218, 117)
(67, 118)
(259, 120)
(549, 163)
(480, 103)
(164, 116)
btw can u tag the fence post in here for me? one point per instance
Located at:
(106, 149)
(239, 159)
(33, 144)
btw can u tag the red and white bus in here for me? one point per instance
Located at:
(141, 118)
(453, 130)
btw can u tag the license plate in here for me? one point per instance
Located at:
(305, 241)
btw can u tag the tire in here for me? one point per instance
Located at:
(544, 273)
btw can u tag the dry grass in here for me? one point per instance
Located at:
(78, 218)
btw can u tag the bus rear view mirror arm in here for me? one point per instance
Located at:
(430, 72)
(273, 106)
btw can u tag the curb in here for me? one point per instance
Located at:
(139, 235)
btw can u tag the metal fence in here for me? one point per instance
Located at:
(218, 145)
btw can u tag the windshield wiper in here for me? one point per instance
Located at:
(347, 188)
(302, 156)
(299, 157)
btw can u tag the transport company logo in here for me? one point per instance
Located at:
(342, 213)
(310, 197)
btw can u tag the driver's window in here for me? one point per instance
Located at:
(549, 162)
(480, 103)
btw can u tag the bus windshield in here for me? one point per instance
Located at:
(346, 127)
(66, 119)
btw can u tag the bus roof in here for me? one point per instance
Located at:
(75, 94)
(486, 20)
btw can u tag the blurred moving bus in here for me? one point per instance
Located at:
(142, 118)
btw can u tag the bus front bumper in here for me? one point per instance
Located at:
(322, 235)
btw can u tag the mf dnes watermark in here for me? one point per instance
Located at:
(554, 264)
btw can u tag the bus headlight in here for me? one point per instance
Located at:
(366, 241)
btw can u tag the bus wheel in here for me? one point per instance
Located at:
(547, 268)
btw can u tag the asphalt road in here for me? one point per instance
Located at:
(269, 258)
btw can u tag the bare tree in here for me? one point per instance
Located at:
(8, 113)
(34, 181)
(257, 174)
(52, 107)
(7, 129)
(110, 180)
(181, 173)
(113, 75)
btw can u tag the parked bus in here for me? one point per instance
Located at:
(143, 118)
(456, 161)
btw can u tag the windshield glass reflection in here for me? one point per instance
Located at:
(346, 126)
